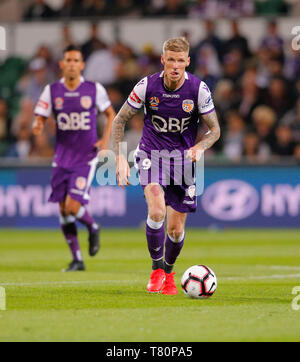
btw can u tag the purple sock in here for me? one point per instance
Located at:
(70, 232)
(85, 218)
(155, 240)
(172, 250)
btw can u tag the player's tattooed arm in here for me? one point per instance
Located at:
(213, 134)
(123, 116)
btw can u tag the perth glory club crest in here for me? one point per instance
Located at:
(86, 102)
(188, 105)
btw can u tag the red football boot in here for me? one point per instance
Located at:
(169, 286)
(156, 281)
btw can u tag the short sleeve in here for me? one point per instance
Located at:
(44, 106)
(205, 101)
(102, 99)
(137, 97)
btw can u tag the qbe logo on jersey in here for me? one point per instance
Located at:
(2, 38)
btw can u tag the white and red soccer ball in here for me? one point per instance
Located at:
(199, 281)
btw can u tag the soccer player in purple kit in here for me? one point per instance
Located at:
(173, 102)
(75, 104)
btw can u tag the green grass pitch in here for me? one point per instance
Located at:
(256, 271)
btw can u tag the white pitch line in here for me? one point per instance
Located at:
(284, 267)
(78, 282)
(274, 276)
(28, 284)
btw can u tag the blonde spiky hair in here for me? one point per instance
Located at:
(179, 44)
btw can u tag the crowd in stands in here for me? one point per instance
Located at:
(146, 8)
(256, 92)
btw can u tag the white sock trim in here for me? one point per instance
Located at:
(158, 259)
(179, 240)
(63, 220)
(169, 264)
(80, 212)
(154, 224)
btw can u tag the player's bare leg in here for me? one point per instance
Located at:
(69, 229)
(75, 208)
(155, 234)
(173, 245)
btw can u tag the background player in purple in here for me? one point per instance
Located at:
(75, 104)
(173, 102)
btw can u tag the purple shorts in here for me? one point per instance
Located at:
(175, 175)
(75, 182)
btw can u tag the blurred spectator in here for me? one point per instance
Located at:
(233, 136)
(4, 127)
(101, 66)
(224, 97)
(127, 69)
(94, 8)
(65, 40)
(93, 43)
(41, 147)
(236, 8)
(126, 8)
(278, 97)
(297, 153)
(294, 7)
(263, 57)
(204, 72)
(253, 151)
(283, 145)
(24, 117)
(273, 41)
(45, 53)
(70, 8)
(115, 97)
(211, 39)
(32, 85)
(207, 9)
(173, 8)
(292, 120)
(152, 7)
(39, 10)
(134, 133)
(249, 95)
(21, 148)
(148, 61)
(237, 41)
(208, 55)
(292, 64)
(264, 121)
(232, 66)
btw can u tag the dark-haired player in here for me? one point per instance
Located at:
(74, 103)
(173, 101)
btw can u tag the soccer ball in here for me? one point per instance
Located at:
(199, 281)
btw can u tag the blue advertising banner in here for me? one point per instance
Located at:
(233, 197)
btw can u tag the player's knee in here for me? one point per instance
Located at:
(176, 232)
(157, 214)
(155, 190)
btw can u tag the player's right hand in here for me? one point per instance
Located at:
(37, 127)
(123, 171)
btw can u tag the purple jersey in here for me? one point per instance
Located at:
(171, 117)
(75, 113)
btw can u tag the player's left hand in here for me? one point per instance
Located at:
(195, 153)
